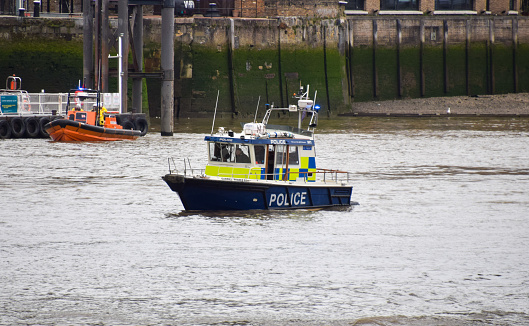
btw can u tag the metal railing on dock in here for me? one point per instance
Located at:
(49, 103)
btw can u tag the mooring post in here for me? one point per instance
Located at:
(97, 44)
(421, 59)
(350, 45)
(88, 45)
(137, 36)
(231, 47)
(167, 67)
(515, 53)
(490, 52)
(445, 55)
(123, 28)
(279, 71)
(467, 56)
(324, 32)
(375, 74)
(399, 67)
(105, 32)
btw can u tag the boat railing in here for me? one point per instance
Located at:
(321, 175)
(290, 129)
(186, 171)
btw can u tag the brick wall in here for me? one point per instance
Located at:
(307, 8)
(250, 8)
(372, 5)
(499, 6)
(285, 8)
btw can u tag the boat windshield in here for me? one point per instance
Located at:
(220, 152)
(290, 152)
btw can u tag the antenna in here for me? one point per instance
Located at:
(215, 114)
(257, 108)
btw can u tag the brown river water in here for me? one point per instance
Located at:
(91, 235)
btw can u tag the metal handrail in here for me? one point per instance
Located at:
(326, 175)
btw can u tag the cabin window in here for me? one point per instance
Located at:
(293, 156)
(219, 152)
(260, 151)
(241, 154)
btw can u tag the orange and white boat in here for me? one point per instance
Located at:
(82, 124)
(79, 130)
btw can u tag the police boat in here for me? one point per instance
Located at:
(264, 167)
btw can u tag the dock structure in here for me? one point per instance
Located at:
(96, 68)
(24, 115)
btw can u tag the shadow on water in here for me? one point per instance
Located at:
(300, 214)
(425, 171)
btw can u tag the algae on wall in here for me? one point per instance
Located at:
(53, 65)
(255, 74)
(257, 69)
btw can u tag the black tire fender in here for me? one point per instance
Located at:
(5, 129)
(142, 125)
(127, 125)
(18, 128)
(32, 127)
(42, 122)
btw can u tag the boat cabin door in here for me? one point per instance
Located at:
(270, 162)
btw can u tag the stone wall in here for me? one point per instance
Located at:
(293, 31)
(346, 60)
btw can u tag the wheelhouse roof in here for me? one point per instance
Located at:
(261, 141)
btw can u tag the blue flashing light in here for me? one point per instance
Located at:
(316, 107)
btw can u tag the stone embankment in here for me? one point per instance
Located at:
(497, 105)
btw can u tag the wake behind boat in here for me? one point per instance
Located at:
(263, 167)
(87, 120)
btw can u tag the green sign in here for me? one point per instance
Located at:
(9, 103)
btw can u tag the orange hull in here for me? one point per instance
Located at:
(68, 130)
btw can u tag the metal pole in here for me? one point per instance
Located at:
(167, 67)
(88, 46)
(105, 31)
(123, 28)
(120, 70)
(137, 36)
(121, 74)
(97, 27)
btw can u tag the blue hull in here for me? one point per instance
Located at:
(207, 194)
